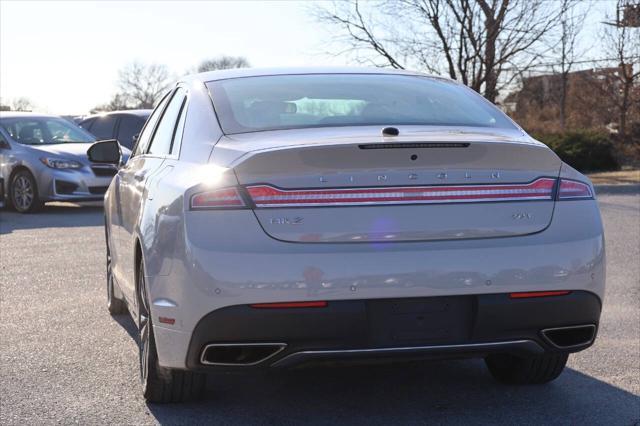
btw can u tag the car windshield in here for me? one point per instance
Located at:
(44, 131)
(250, 104)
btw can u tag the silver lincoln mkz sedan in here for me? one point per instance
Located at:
(270, 218)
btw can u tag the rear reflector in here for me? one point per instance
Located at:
(217, 199)
(571, 190)
(530, 294)
(268, 196)
(285, 305)
(167, 320)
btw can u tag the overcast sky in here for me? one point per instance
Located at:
(65, 56)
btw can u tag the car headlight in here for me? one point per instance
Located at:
(59, 163)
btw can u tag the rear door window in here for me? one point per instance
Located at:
(145, 137)
(177, 136)
(162, 140)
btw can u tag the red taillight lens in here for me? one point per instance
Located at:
(217, 199)
(531, 294)
(571, 190)
(286, 305)
(167, 320)
(269, 196)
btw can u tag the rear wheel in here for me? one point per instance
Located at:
(515, 370)
(23, 192)
(160, 384)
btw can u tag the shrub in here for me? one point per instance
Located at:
(583, 150)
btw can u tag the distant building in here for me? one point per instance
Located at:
(627, 15)
(589, 102)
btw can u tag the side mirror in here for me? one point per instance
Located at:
(108, 152)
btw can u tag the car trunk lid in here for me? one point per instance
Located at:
(346, 186)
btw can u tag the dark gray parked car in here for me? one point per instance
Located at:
(121, 125)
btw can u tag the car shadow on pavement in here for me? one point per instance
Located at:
(440, 392)
(129, 326)
(53, 215)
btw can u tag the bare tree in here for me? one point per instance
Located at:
(623, 43)
(482, 43)
(22, 104)
(141, 86)
(118, 102)
(571, 23)
(222, 63)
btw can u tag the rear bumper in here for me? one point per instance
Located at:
(229, 265)
(457, 326)
(464, 350)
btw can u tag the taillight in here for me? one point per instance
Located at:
(288, 305)
(572, 190)
(269, 196)
(224, 198)
(532, 294)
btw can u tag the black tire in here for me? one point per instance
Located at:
(515, 370)
(23, 192)
(160, 384)
(114, 305)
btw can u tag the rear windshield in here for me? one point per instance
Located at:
(251, 104)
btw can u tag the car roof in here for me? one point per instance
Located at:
(144, 113)
(257, 72)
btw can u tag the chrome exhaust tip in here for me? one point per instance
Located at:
(570, 337)
(239, 354)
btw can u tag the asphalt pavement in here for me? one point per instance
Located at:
(63, 359)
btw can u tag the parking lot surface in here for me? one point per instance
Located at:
(63, 359)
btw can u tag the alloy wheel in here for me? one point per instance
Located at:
(23, 193)
(109, 279)
(143, 329)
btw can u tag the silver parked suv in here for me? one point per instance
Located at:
(44, 158)
(270, 218)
